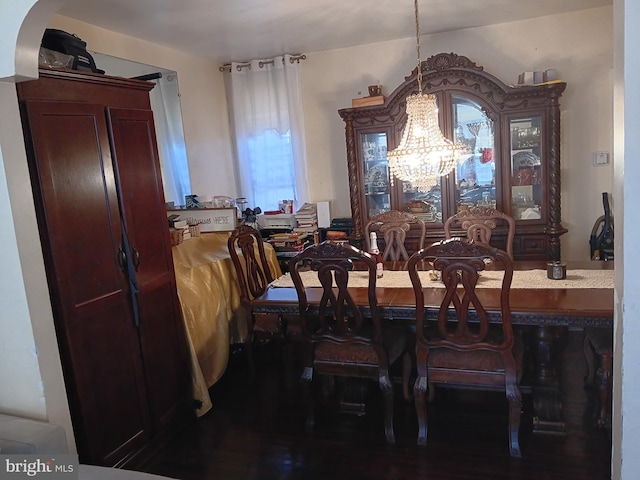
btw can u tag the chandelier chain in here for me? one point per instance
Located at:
(424, 154)
(417, 15)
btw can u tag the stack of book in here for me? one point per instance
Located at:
(289, 244)
(182, 225)
(306, 219)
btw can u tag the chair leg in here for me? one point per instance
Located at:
(406, 374)
(387, 390)
(604, 386)
(515, 407)
(306, 381)
(431, 392)
(248, 351)
(589, 358)
(419, 392)
(598, 344)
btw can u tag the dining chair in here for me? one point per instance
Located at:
(463, 345)
(394, 226)
(340, 338)
(253, 273)
(479, 222)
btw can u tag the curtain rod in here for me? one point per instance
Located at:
(294, 58)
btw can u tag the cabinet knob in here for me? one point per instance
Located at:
(122, 258)
(136, 257)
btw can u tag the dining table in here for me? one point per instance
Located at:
(541, 306)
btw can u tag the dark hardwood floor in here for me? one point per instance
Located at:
(256, 431)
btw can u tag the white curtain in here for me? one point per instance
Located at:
(167, 116)
(267, 121)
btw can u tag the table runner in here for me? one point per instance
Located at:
(530, 279)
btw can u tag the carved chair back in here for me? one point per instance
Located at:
(394, 226)
(246, 248)
(479, 222)
(247, 251)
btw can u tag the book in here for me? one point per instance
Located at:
(180, 224)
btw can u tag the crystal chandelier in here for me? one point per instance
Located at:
(424, 154)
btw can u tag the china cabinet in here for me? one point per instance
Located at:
(511, 156)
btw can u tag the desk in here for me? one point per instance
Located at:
(556, 304)
(210, 302)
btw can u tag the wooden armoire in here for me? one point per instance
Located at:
(100, 208)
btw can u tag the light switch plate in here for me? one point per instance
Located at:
(600, 158)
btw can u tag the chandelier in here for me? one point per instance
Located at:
(424, 154)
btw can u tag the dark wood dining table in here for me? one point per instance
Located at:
(541, 312)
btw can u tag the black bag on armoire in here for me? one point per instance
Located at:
(70, 44)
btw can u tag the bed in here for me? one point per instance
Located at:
(210, 302)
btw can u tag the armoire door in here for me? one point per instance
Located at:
(77, 207)
(142, 201)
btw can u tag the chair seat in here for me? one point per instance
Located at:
(480, 363)
(395, 341)
(479, 360)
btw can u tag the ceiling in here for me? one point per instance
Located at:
(240, 30)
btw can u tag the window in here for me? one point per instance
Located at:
(272, 169)
(266, 116)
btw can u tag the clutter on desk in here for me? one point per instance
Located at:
(286, 206)
(289, 243)
(306, 219)
(277, 220)
(250, 215)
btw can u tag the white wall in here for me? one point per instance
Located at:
(30, 370)
(16, 333)
(626, 381)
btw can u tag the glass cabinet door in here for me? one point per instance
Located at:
(526, 168)
(375, 169)
(475, 174)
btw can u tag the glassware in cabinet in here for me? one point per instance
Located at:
(475, 174)
(526, 155)
(375, 168)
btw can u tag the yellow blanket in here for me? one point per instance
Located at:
(210, 302)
